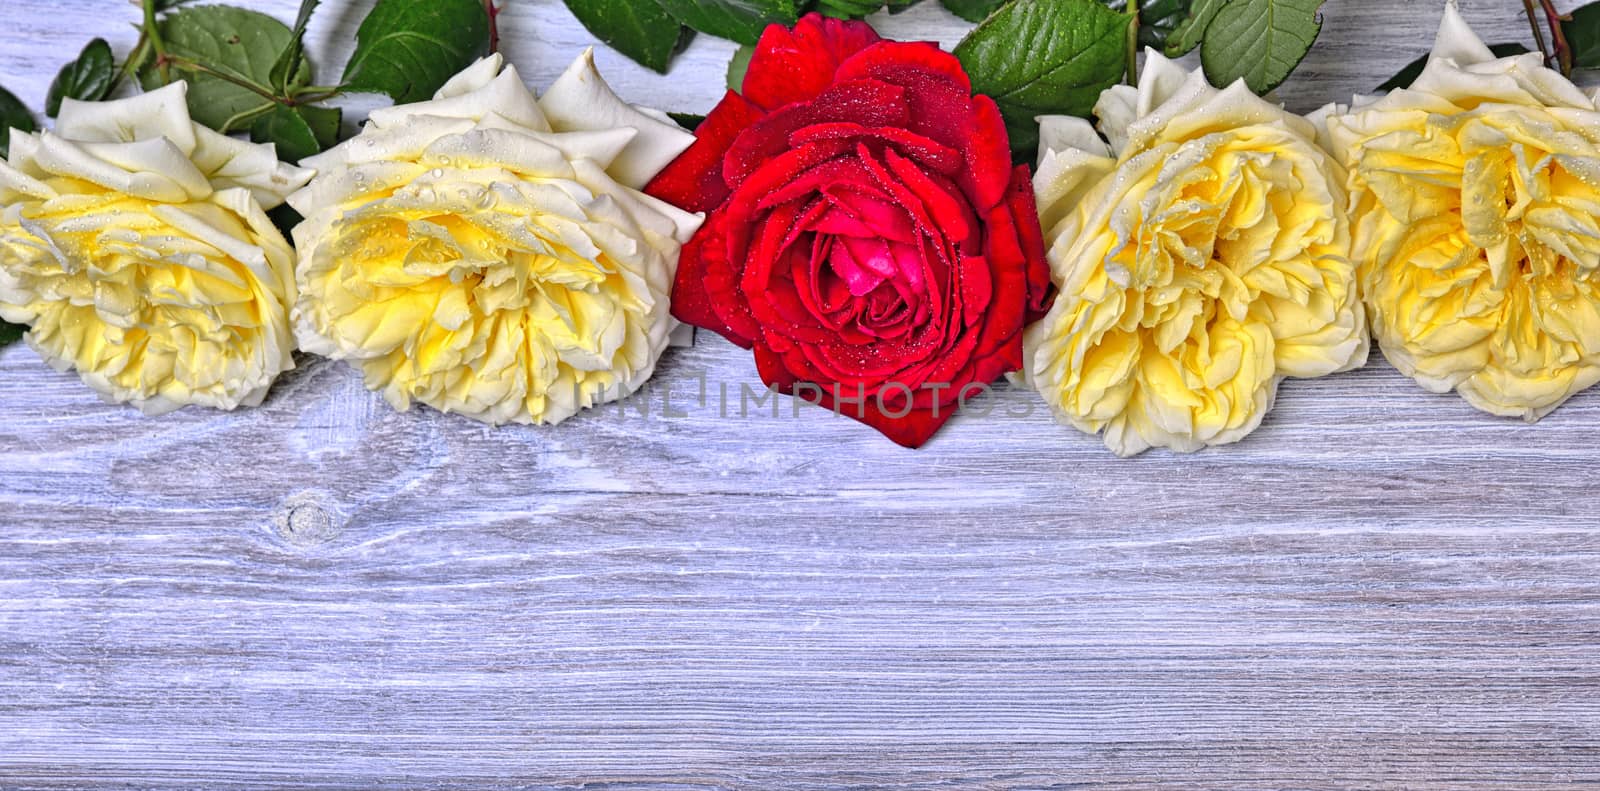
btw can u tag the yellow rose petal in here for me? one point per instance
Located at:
(1198, 265)
(1474, 196)
(136, 246)
(489, 254)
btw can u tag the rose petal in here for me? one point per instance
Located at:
(862, 102)
(794, 65)
(694, 180)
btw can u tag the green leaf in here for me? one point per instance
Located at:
(89, 78)
(736, 20)
(289, 60)
(1157, 19)
(858, 9)
(408, 49)
(1413, 70)
(1045, 57)
(688, 121)
(285, 218)
(738, 66)
(1192, 30)
(289, 131)
(639, 29)
(241, 44)
(973, 10)
(324, 123)
(1582, 31)
(13, 115)
(10, 333)
(298, 132)
(1259, 40)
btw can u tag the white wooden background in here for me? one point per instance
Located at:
(1380, 589)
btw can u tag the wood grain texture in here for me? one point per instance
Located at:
(1380, 589)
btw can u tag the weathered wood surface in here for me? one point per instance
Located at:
(1380, 589)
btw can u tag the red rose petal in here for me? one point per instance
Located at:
(911, 64)
(948, 212)
(912, 430)
(1025, 213)
(976, 289)
(743, 207)
(926, 151)
(691, 303)
(814, 179)
(794, 65)
(720, 279)
(867, 235)
(988, 153)
(871, 208)
(862, 102)
(769, 284)
(694, 181)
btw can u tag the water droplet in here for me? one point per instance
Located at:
(436, 173)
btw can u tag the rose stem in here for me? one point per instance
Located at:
(156, 45)
(1563, 52)
(1538, 35)
(1133, 43)
(494, 25)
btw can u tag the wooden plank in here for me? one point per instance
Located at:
(1380, 588)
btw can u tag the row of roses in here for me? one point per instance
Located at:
(853, 217)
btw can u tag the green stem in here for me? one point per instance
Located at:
(316, 93)
(240, 119)
(1133, 43)
(312, 97)
(153, 34)
(194, 66)
(131, 66)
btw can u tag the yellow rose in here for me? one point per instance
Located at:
(1474, 198)
(135, 245)
(1201, 258)
(491, 254)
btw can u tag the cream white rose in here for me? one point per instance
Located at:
(1476, 206)
(1201, 258)
(134, 244)
(490, 254)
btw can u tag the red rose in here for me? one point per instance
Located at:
(867, 235)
